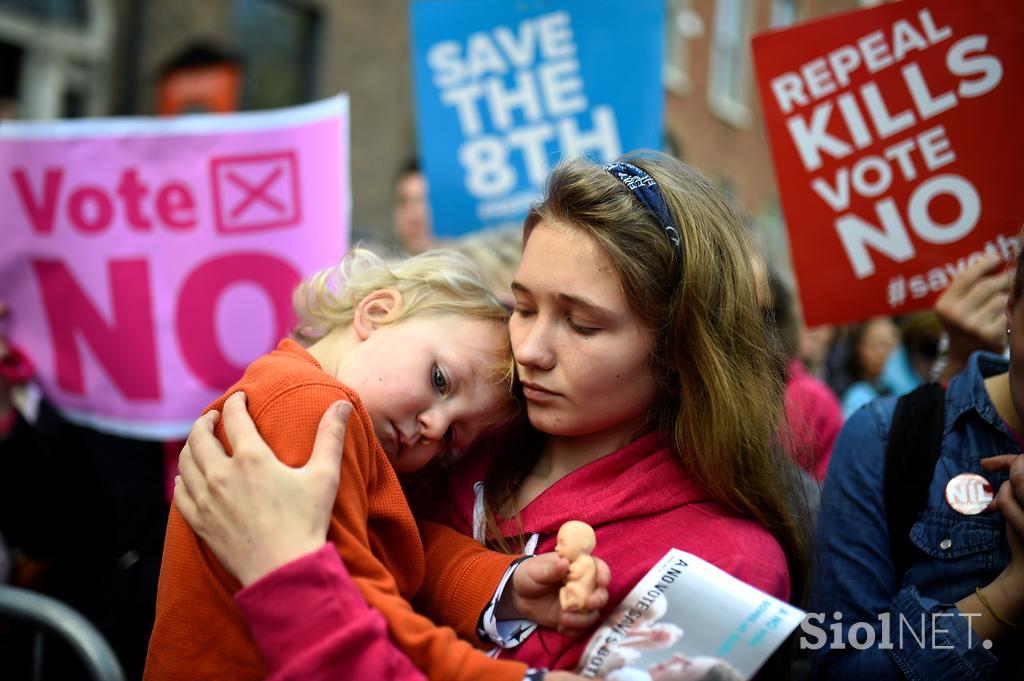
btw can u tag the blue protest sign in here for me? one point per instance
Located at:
(504, 90)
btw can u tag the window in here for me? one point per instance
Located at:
(682, 24)
(729, 75)
(783, 13)
(75, 104)
(277, 42)
(10, 71)
(55, 57)
(69, 12)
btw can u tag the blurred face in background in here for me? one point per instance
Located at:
(412, 213)
(879, 340)
(814, 345)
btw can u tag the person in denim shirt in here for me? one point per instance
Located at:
(958, 553)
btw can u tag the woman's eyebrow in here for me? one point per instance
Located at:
(571, 299)
(586, 304)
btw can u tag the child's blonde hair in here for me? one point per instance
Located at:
(496, 252)
(435, 282)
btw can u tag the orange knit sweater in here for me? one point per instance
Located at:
(199, 632)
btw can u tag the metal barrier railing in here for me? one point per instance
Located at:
(49, 617)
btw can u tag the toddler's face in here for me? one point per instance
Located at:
(430, 383)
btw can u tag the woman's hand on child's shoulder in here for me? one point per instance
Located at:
(255, 513)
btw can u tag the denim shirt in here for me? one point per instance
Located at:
(855, 574)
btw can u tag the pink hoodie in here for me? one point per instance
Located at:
(814, 418)
(641, 502)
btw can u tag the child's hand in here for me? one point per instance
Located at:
(536, 583)
(255, 513)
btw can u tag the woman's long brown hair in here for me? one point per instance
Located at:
(720, 405)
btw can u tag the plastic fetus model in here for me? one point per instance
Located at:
(576, 541)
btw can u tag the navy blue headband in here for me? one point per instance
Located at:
(647, 191)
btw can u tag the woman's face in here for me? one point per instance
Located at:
(879, 340)
(581, 351)
(814, 344)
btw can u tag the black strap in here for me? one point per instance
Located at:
(915, 441)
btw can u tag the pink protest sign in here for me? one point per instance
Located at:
(146, 262)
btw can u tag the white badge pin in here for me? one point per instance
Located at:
(968, 493)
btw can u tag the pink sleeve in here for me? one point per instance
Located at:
(311, 623)
(829, 422)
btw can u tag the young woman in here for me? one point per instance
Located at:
(653, 393)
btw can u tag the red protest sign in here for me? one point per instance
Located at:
(898, 148)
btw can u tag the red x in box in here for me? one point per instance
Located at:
(255, 192)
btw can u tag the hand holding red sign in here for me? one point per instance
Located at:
(889, 185)
(972, 312)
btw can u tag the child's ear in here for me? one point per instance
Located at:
(373, 310)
